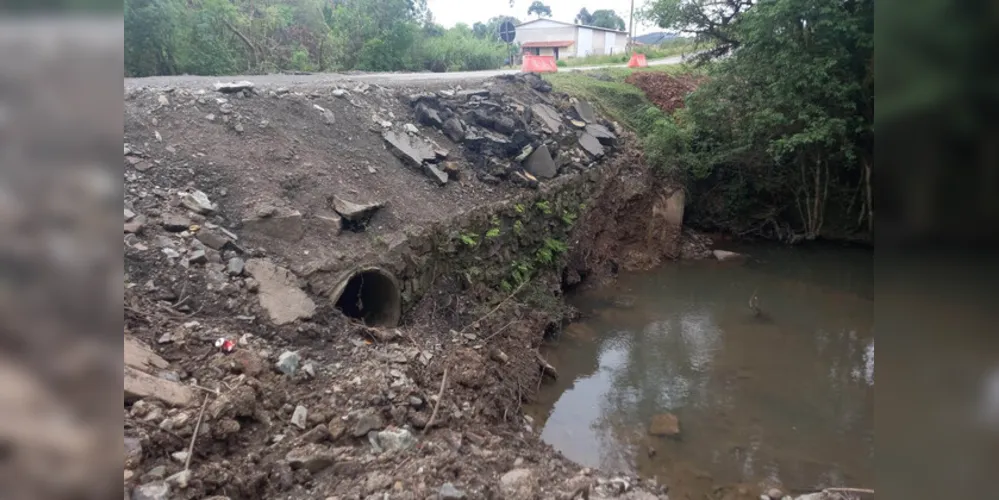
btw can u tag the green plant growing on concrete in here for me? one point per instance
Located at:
(544, 206)
(469, 239)
(521, 271)
(493, 232)
(518, 227)
(519, 208)
(550, 250)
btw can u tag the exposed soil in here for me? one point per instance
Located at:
(664, 90)
(373, 426)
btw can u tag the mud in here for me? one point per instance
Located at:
(425, 410)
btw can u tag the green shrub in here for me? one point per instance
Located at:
(455, 50)
(561, 63)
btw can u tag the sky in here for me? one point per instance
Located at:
(450, 12)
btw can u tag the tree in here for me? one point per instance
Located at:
(710, 20)
(606, 18)
(584, 17)
(489, 30)
(540, 9)
(784, 127)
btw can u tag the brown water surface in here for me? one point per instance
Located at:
(784, 399)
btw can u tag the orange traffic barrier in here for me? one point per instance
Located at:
(638, 61)
(539, 64)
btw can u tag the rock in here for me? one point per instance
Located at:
(665, 424)
(578, 123)
(540, 163)
(435, 173)
(775, 494)
(212, 239)
(602, 134)
(179, 456)
(428, 116)
(412, 150)
(139, 385)
(449, 492)
(157, 490)
(133, 227)
(157, 473)
(410, 128)
(549, 117)
(355, 212)
(235, 266)
(469, 93)
(585, 111)
(725, 255)
(518, 484)
(233, 87)
(197, 201)
(318, 434)
(287, 362)
(299, 417)
(365, 423)
(129, 215)
(339, 92)
(281, 223)
(330, 222)
(162, 100)
(279, 293)
(452, 170)
(245, 361)
(395, 439)
(591, 145)
(674, 208)
(238, 127)
(504, 125)
(309, 369)
(311, 457)
(454, 129)
(175, 223)
(197, 257)
(133, 452)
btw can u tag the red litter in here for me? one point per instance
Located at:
(225, 345)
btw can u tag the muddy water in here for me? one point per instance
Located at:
(780, 399)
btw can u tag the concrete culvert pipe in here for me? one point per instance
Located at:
(370, 294)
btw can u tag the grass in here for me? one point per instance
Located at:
(605, 89)
(668, 49)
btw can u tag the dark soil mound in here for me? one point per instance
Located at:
(664, 90)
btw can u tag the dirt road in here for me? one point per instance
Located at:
(400, 79)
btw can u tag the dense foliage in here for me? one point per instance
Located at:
(604, 18)
(539, 9)
(779, 141)
(216, 37)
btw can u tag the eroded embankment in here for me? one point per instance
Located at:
(258, 245)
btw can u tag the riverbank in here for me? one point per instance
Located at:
(329, 294)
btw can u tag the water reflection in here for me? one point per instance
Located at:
(783, 401)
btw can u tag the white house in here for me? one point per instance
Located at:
(545, 37)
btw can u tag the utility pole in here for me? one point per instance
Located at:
(631, 23)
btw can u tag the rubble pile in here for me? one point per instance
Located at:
(513, 129)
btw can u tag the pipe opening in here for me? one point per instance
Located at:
(371, 295)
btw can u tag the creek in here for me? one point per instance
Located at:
(784, 398)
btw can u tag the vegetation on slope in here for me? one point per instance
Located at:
(778, 142)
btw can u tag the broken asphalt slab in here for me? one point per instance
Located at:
(549, 116)
(280, 295)
(591, 145)
(540, 163)
(601, 133)
(585, 111)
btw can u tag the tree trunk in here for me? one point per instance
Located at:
(249, 44)
(870, 198)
